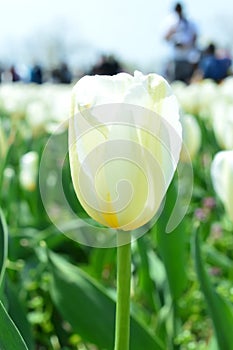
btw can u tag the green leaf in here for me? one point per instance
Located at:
(172, 246)
(10, 338)
(3, 245)
(148, 265)
(214, 257)
(100, 259)
(89, 309)
(220, 311)
(18, 314)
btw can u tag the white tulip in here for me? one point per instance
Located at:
(222, 178)
(223, 123)
(225, 89)
(208, 94)
(124, 144)
(191, 138)
(188, 96)
(29, 171)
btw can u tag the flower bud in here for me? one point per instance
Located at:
(223, 123)
(222, 175)
(28, 171)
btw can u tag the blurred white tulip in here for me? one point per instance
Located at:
(197, 98)
(223, 123)
(28, 171)
(44, 107)
(208, 94)
(222, 178)
(188, 96)
(226, 88)
(191, 138)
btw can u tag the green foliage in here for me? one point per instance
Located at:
(172, 246)
(86, 305)
(221, 312)
(17, 312)
(3, 245)
(10, 338)
(60, 294)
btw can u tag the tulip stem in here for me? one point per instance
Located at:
(122, 327)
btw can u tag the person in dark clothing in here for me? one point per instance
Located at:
(181, 35)
(65, 74)
(213, 67)
(108, 65)
(61, 74)
(36, 75)
(14, 75)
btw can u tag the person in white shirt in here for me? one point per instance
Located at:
(181, 34)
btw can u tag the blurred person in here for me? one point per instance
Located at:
(36, 74)
(55, 75)
(61, 74)
(213, 66)
(14, 74)
(108, 65)
(65, 74)
(181, 33)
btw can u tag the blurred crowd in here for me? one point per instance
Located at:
(187, 61)
(61, 74)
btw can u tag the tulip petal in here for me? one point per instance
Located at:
(123, 153)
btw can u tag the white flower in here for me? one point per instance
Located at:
(223, 123)
(222, 178)
(124, 145)
(29, 171)
(191, 137)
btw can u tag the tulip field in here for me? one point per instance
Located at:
(58, 280)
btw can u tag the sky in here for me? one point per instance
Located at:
(33, 30)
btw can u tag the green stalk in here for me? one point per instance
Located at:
(122, 327)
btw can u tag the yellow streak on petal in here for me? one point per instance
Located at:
(110, 218)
